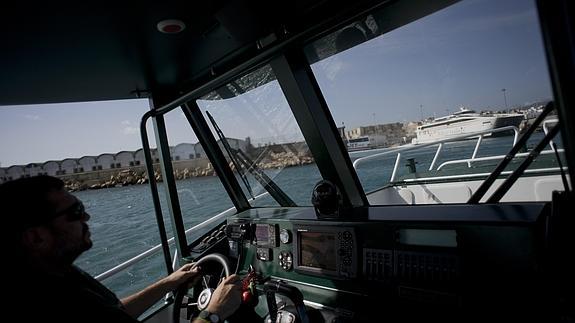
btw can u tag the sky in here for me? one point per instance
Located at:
(462, 56)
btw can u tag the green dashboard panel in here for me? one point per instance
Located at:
(443, 259)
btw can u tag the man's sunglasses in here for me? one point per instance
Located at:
(73, 213)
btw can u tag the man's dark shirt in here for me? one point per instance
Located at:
(75, 297)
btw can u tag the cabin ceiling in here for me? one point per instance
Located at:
(82, 52)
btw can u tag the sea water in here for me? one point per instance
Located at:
(123, 222)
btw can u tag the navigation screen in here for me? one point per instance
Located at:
(318, 250)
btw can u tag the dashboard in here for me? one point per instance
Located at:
(460, 259)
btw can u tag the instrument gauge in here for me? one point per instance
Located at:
(285, 236)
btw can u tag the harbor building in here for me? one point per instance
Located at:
(108, 161)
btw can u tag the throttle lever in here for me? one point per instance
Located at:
(272, 287)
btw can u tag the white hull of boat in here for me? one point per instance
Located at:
(450, 128)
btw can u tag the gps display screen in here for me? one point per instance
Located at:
(318, 250)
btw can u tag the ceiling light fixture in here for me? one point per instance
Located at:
(171, 26)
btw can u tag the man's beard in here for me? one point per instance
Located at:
(68, 252)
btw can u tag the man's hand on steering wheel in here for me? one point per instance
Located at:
(227, 297)
(189, 273)
(222, 300)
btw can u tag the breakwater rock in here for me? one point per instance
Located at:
(138, 175)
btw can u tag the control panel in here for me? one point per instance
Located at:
(404, 259)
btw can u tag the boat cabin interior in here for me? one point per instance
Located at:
(342, 252)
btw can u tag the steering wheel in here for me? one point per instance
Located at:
(208, 283)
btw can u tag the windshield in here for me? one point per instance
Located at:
(259, 136)
(428, 109)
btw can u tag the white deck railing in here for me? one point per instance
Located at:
(461, 161)
(439, 143)
(546, 130)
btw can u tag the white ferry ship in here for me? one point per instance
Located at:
(463, 122)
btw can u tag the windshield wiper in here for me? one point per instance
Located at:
(243, 163)
(476, 197)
